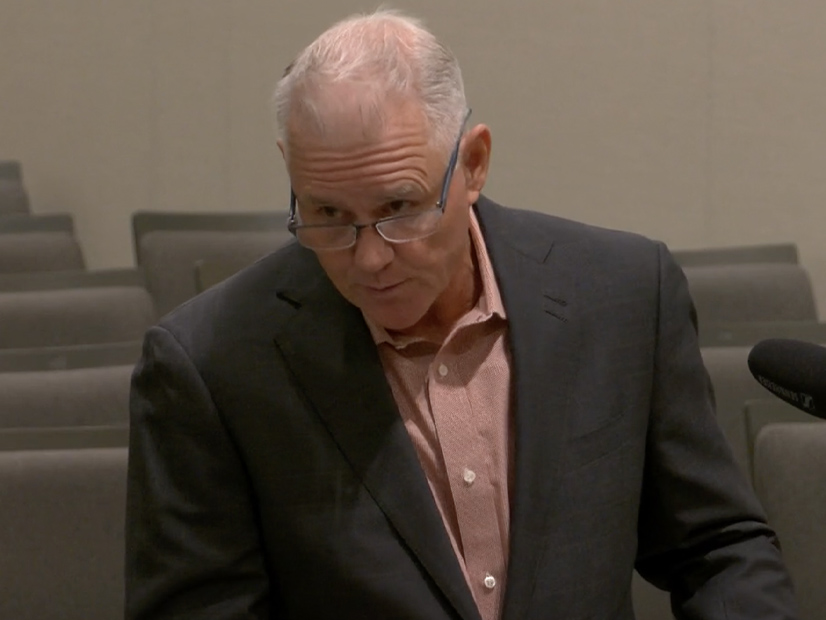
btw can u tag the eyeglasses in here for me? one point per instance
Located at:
(393, 229)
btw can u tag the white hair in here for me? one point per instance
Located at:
(386, 54)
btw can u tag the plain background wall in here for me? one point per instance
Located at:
(700, 123)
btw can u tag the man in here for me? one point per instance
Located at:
(431, 406)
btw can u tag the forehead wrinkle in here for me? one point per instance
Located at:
(386, 147)
(379, 187)
(334, 159)
(414, 169)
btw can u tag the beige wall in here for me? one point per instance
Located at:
(700, 123)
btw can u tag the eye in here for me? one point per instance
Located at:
(328, 212)
(399, 206)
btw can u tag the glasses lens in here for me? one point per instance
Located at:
(325, 237)
(411, 227)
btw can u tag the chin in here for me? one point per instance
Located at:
(394, 322)
(399, 318)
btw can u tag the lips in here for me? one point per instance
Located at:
(384, 289)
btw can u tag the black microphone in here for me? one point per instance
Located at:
(792, 370)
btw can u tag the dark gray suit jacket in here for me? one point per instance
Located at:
(270, 475)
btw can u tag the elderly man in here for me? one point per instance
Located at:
(430, 406)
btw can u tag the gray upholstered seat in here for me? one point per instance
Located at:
(84, 385)
(752, 292)
(209, 272)
(749, 333)
(38, 243)
(24, 223)
(40, 251)
(650, 603)
(168, 245)
(789, 474)
(73, 397)
(62, 531)
(70, 308)
(738, 255)
(757, 414)
(13, 197)
(11, 169)
(68, 357)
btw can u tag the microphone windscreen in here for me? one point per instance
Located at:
(792, 370)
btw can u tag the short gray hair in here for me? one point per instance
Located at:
(387, 53)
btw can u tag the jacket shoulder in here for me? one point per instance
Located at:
(528, 228)
(259, 297)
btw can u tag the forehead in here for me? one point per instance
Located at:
(346, 119)
(355, 154)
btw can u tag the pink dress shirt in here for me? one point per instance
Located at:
(454, 398)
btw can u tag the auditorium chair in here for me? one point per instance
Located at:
(31, 243)
(789, 470)
(168, 246)
(72, 308)
(85, 385)
(62, 523)
(738, 255)
(13, 197)
(751, 292)
(749, 333)
(759, 413)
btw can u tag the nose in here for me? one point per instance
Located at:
(372, 252)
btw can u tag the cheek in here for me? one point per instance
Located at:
(433, 261)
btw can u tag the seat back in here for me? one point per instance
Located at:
(13, 197)
(742, 334)
(168, 246)
(31, 243)
(23, 223)
(208, 272)
(76, 356)
(11, 169)
(760, 413)
(650, 603)
(754, 292)
(72, 308)
(40, 251)
(72, 397)
(738, 255)
(61, 528)
(789, 473)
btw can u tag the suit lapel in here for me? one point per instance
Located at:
(537, 283)
(329, 349)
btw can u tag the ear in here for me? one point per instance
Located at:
(476, 159)
(281, 148)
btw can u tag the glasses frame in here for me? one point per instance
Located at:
(293, 226)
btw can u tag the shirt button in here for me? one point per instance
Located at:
(490, 581)
(469, 476)
(443, 370)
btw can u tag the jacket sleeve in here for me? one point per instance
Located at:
(702, 533)
(193, 545)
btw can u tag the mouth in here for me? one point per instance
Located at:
(383, 290)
